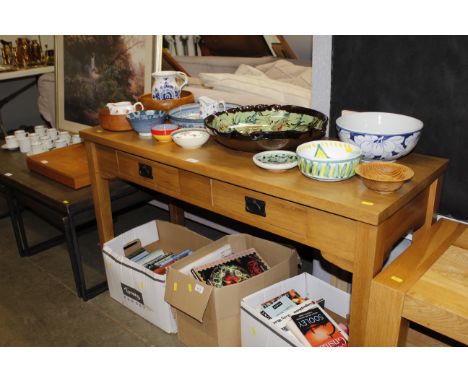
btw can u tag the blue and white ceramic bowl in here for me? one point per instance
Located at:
(328, 160)
(381, 136)
(188, 115)
(143, 121)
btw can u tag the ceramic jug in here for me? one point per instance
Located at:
(210, 106)
(124, 107)
(168, 84)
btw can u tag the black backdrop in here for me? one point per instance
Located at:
(422, 76)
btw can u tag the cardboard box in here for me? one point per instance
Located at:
(138, 288)
(257, 330)
(209, 316)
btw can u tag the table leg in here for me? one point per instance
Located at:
(432, 205)
(76, 263)
(101, 196)
(176, 213)
(368, 261)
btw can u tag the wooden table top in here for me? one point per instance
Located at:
(348, 198)
(14, 173)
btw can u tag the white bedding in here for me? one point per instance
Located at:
(279, 82)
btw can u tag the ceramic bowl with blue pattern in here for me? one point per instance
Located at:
(188, 116)
(381, 136)
(143, 121)
(328, 160)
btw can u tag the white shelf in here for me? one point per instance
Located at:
(26, 72)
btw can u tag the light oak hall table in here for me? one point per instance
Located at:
(354, 228)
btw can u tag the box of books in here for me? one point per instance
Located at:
(136, 263)
(300, 311)
(206, 289)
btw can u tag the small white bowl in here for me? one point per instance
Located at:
(190, 138)
(276, 160)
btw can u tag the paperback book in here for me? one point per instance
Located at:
(231, 269)
(281, 303)
(314, 327)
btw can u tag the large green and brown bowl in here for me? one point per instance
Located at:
(257, 128)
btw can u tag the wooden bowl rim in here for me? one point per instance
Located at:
(371, 174)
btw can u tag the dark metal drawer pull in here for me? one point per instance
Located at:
(145, 171)
(255, 206)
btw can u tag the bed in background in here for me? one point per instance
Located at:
(247, 81)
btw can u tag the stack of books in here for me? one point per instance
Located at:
(157, 260)
(305, 319)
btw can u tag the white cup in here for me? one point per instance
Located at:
(25, 145)
(40, 130)
(46, 142)
(34, 137)
(65, 135)
(124, 107)
(60, 143)
(52, 133)
(11, 141)
(36, 147)
(75, 138)
(19, 134)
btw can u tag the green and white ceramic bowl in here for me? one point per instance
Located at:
(328, 160)
(276, 160)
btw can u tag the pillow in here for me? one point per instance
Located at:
(280, 92)
(286, 71)
(247, 70)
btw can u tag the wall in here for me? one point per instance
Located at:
(301, 45)
(422, 76)
(22, 110)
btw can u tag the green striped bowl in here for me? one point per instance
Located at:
(328, 160)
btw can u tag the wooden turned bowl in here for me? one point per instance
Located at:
(167, 104)
(113, 122)
(384, 177)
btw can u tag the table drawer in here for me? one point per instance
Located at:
(148, 173)
(259, 209)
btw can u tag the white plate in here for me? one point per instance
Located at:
(5, 147)
(276, 160)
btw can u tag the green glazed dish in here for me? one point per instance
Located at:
(266, 127)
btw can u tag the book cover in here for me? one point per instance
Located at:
(279, 304)
(232, 269)
(314, 327)
(281, 320)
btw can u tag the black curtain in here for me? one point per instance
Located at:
(425, 77)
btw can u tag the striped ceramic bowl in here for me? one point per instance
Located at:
(328, 160)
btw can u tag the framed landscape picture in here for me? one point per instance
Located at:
(92, 71)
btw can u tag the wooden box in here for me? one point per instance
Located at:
(67, 165)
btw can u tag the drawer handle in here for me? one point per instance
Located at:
(145, 171)
(255, 206)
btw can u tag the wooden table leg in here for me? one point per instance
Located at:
(369, 257)
(101, 196)
(176, 213)
(432, 205)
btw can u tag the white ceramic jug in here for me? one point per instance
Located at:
(210, 106)
(168, 84)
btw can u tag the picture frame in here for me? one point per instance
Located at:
(94, 70)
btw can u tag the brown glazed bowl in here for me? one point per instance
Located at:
(257, 128)
(113, 122)
(167, 104)
(384, 177)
